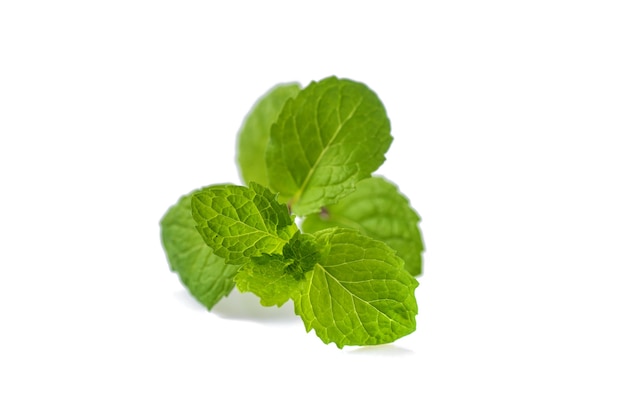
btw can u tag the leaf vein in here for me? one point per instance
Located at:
(353, 296)
(320, 157)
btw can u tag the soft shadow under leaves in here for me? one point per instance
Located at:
(385, 350)
(246, 307)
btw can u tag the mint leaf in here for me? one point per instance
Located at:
(255, 132)
(358, 293)
(207, 277)
(302, 254)
(333, 134)
(265, 276)
(274, 278)
(377, 209)
(239, 223)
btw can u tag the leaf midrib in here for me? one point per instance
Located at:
(305, 183)
(353, 296)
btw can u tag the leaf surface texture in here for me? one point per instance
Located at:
(242, 222)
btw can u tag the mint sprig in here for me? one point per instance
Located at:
(310, 153)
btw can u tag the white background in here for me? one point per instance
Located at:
(509, 121)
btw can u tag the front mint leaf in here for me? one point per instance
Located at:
(207, 277)
(376, 209)
(239, 223)
(255, 132)
(358, 292)
(333, 134)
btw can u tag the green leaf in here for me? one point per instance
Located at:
(358, 293)
(255, 132)
(376, 209)
(265, 276)
(239, 223)
(302, 254)
(207, 277)
(333, 134)
(274, 277)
